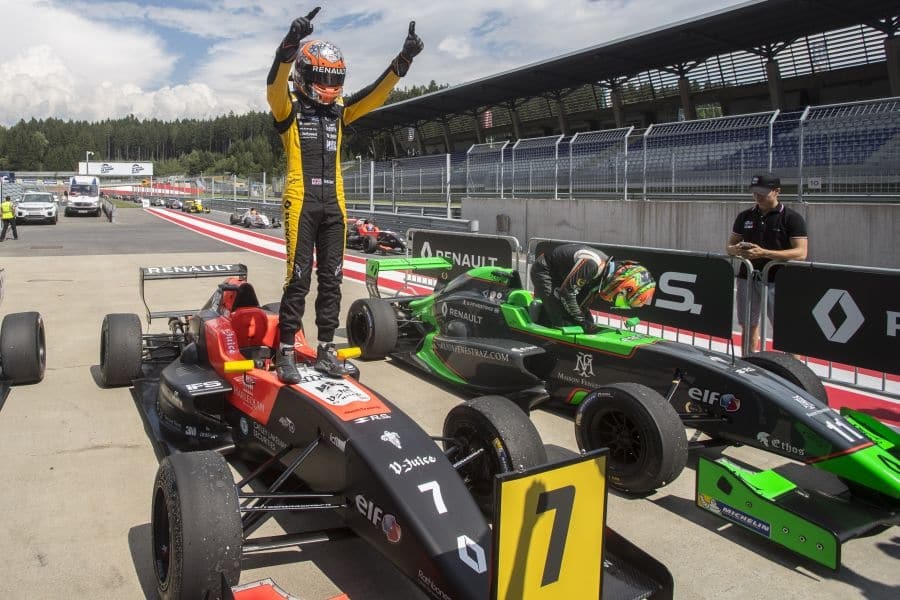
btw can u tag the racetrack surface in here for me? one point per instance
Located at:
(78, 468)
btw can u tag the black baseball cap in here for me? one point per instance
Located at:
(764, 183)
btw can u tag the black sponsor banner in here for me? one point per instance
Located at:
(464, 251)
(839, 314)
(694, 292)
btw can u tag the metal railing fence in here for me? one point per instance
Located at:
(825, 152)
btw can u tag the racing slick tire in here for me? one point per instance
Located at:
(369, 244)
(196, 534)
(233, 220)
(505, 436)
(645, 436)
(121, 349)
(23, 353)
(788, 367)
(372, 325)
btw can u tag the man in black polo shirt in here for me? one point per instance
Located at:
(768, 231)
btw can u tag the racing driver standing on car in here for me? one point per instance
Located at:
(310, 119)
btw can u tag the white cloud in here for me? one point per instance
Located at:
(456, 47)
(90, 60)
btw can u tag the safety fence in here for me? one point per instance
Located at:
(385, 219)
(834, 152)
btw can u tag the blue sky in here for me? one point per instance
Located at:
(98, 59)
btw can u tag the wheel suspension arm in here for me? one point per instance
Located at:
(253, 519)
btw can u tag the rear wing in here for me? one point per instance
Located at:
(431, 267)
(185, 272)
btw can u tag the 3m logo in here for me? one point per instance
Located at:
(853, 317)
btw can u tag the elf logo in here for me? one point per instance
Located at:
(726, 401)
(384, 521)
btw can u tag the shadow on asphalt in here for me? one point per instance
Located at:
(139, 545)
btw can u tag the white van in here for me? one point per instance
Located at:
(84, 196)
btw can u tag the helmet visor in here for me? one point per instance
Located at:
(322, 75)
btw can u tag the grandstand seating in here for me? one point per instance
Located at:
(694, 158)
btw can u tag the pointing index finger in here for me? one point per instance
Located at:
(313, 13)
(412, 28)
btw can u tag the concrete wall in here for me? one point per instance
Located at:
(839, 232)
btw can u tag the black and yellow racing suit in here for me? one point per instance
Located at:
(313, 198)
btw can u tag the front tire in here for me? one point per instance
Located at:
(788, 367)
(196, 532)
(370, 244)
(503, 436)
(372, 325)
(23, 352)
(121, 349)
(645, 436)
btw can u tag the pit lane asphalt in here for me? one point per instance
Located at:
(77, 468)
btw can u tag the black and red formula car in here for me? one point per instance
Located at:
(23, 354)
(366, 236)
(330, 446)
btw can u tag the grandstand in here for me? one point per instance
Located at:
(810, 52)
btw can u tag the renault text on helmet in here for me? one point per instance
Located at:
(319, 71)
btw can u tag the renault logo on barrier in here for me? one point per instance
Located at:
(853, 319)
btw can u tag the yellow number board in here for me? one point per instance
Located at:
(548, 539)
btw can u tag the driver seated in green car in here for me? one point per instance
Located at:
(569, 277)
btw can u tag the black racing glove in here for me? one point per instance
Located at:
(412, 46)
(589, 325)
(300, 28)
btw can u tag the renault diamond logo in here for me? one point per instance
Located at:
(853, 318)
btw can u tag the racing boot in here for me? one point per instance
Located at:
(328, 362)
(286, 364)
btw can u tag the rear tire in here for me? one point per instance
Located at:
(370, 244)
(788, 367)
(502, 432)
(121, 349)
(196, 533)
(372, 325)
(23, 352)
(645, 436)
